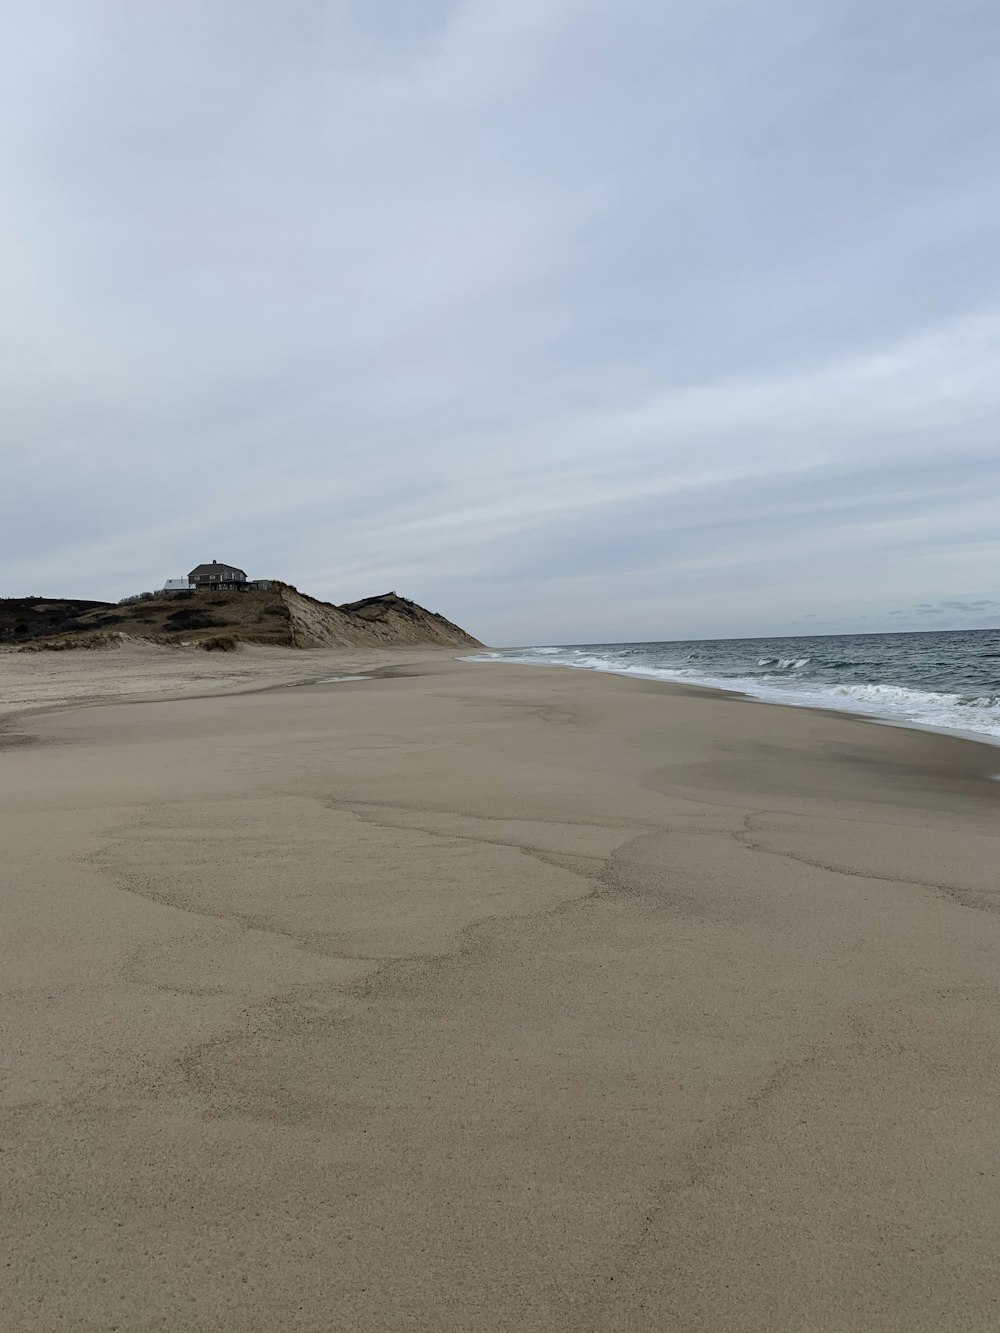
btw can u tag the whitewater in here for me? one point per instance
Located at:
(946, 680)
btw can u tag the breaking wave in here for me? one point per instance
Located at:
(783, 663)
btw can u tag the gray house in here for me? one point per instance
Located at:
(214, 577)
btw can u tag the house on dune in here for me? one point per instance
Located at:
(216, 577)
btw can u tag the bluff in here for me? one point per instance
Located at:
(279, 615)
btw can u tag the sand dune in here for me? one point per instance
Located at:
(483, 997)
(276, 616)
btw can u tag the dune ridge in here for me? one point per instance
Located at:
(280, 615)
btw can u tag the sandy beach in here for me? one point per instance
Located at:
(479, 997)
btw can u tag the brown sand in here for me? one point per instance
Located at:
(486, 997)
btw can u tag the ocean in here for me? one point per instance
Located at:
(947, 680)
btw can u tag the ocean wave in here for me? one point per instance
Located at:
(784, 663)
(929, 708)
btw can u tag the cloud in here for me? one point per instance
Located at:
(575, 319)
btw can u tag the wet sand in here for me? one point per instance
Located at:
(489, 997)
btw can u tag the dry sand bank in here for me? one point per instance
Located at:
(34, 682)
(485, 997)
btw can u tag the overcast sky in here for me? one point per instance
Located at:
(575, 320)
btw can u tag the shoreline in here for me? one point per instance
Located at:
(283, 668)
(980, 737)
(460, 999)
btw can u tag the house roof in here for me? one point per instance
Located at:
(200, 571)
